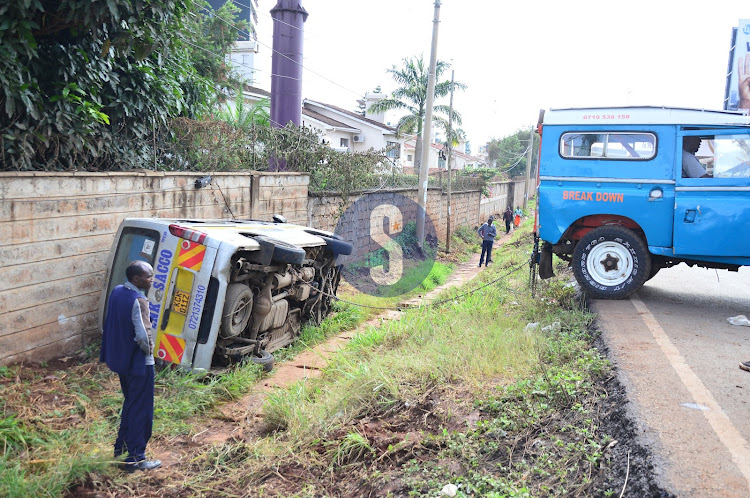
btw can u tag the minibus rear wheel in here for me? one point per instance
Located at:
(238, 307)
(611, 262)
(264, 359)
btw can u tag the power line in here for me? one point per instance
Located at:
(266, 15)
(219, 55)
(242, 32)
(235, 62)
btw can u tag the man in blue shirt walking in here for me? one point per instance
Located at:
(128, 351)
(488, 232)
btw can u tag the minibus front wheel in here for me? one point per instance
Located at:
(611, 262)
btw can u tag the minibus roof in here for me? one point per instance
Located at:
(232, 230)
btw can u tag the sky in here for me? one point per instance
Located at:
(518, 57)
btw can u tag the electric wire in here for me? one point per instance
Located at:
(247, 33)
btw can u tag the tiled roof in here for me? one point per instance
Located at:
(443, 147)
(354, 115)
(257, 91)
(325, 119)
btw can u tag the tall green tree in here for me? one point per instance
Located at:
(508, 154)
(411, 96)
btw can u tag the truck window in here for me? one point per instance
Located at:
(603, 145)
(721, 156)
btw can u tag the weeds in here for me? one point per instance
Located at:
(349, 449)
(57, 430)
(535, 394)
(461, 393)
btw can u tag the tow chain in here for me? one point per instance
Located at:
(430, 304)
(533, 262)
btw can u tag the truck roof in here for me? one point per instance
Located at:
(644, 115)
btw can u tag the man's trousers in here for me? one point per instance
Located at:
(137, 415)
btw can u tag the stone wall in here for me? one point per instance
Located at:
(56, 230)
(501, 196)
(518, 191)
(324, 211)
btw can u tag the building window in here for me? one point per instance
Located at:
(394, 150)
(344, 142)
(627, 146)
(409, 158)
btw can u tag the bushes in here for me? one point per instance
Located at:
(84, 82)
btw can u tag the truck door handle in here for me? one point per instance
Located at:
(690, 215)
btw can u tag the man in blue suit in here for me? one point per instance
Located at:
(128, 351)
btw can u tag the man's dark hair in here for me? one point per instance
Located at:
(134, 269)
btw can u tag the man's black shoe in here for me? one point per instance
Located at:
(142, 465)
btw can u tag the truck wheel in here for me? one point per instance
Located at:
(238, 307)
(654, 270)
(264, 359)
(611, 262)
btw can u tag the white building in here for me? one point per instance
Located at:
(438, 157)
(242, 59)
(358, 133)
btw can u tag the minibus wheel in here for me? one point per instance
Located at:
(264, 359)
(611, 262)
(238, 307)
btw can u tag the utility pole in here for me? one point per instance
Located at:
(528, 168)
(427, 132)
(450, 153)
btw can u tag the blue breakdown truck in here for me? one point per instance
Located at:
(624, 192)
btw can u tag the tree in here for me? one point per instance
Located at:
(83, 83)
(246, 116)
(211, 35)
(411, 96)
(508, 154)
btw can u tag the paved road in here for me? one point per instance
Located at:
(678, 358)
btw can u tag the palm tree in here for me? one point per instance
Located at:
(244, 115)
(411, 96)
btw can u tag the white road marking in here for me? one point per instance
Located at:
(719, 421)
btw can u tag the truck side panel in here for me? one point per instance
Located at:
(639, 190)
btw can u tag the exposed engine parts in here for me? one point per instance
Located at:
(266, 305)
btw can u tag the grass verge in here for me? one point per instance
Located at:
(495, 393)
(57, 422)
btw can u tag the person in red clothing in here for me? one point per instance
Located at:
(517, 220)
